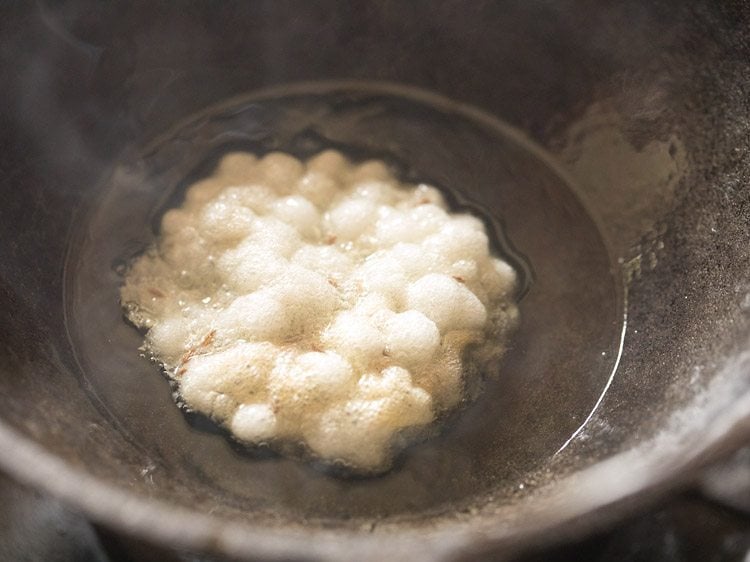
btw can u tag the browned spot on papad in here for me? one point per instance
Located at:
(153, 291)
(195, 350)
(208, 339)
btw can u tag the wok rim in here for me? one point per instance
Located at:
(177, 527)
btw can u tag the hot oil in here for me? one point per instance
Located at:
(558, 364)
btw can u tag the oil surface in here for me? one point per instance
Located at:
(561, 358)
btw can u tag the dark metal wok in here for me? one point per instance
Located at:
(630, 372)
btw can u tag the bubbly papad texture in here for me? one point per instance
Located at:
(321, 303)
